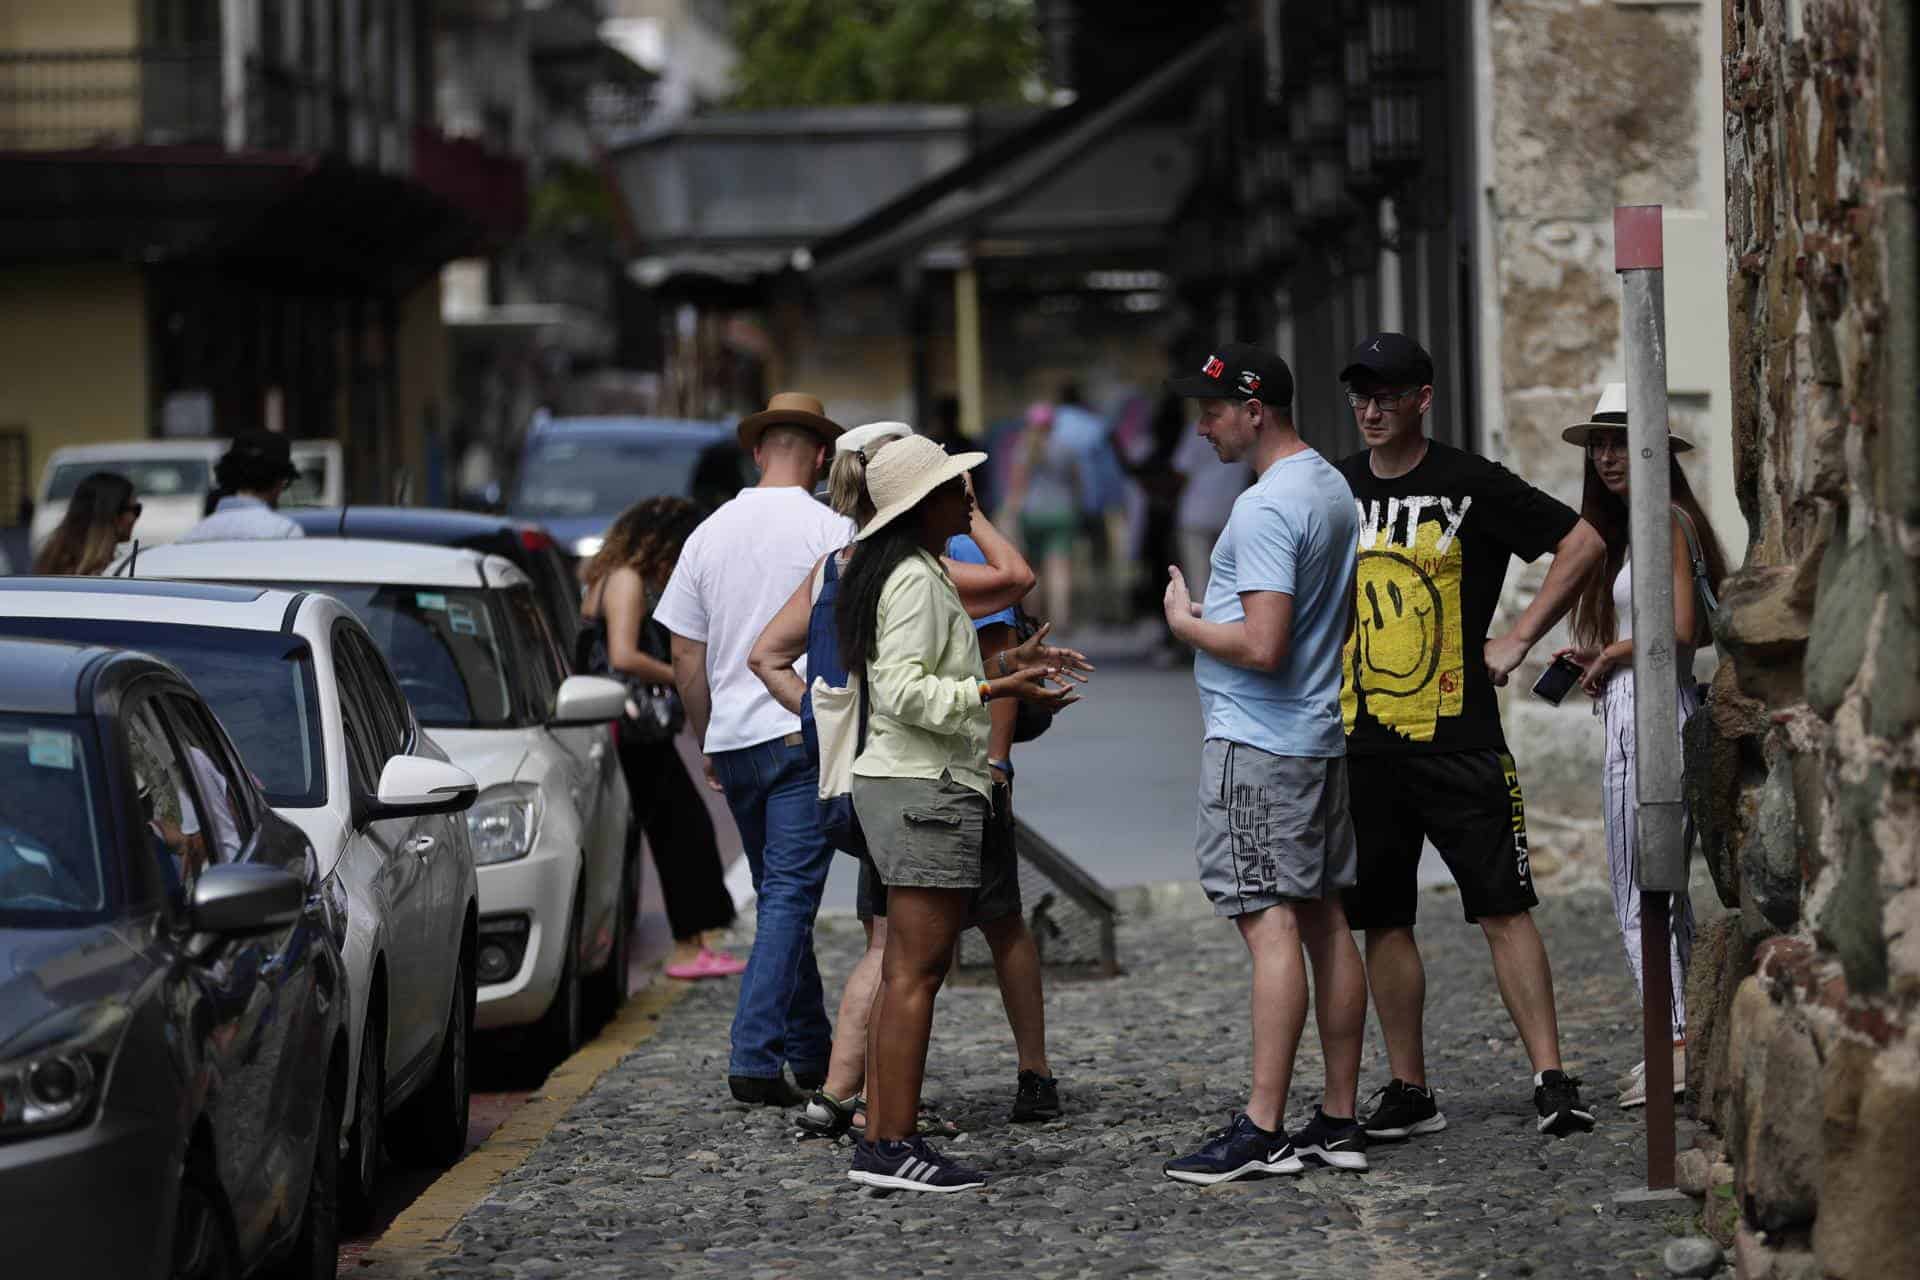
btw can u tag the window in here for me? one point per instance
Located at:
(51, 868)
(174, 835)
(363, 756)
(389, 720)
(540, 669)
(222, 793)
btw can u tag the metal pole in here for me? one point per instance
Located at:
(1639, 260)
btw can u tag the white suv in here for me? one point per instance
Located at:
(473, 653)
(320, 722)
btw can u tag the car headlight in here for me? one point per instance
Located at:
(57, 1085)
(503, 823)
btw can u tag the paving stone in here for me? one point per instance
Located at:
(643, 1179)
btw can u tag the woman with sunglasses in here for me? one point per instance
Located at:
(1603, 646)
(100, 516)
(921, 786)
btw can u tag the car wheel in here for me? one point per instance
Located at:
(316, 1250)
(362, 1173)
(203, 1243)
(560, 1030)
(613, 984)
(431, 1129)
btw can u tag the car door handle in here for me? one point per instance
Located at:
(422, 845)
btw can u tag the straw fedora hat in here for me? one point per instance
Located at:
(902, 476)
(1611, 415)
(856, 440)
(789, 409)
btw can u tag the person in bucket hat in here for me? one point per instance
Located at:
(1602, 627)
(255, 470)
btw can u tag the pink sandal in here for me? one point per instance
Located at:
(708, 964)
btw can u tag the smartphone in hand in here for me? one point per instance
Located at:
(1558, 679)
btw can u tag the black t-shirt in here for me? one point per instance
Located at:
(1433, 557)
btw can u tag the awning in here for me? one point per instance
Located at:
(1000, 175)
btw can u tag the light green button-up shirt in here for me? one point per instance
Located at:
(925, 717)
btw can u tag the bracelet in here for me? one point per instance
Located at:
(1001, 658)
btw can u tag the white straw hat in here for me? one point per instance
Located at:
(856, 440)
(903, 475)
(1611, 415)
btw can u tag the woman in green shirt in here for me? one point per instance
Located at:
(920, 786)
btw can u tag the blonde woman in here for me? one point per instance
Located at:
(100, 516)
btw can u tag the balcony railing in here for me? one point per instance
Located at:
(72, 99)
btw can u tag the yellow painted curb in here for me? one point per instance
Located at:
(419, 1236)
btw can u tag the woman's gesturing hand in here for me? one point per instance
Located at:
(1031, 684)
(1035, 652)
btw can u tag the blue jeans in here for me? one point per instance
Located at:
(773, 790)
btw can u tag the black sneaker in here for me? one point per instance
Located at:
(765, 1091)
(1037, 1097)
(822, 1117)
(1237, 1151)
(1557, 1099)
(1404, 1111)
(909, 1166)
(1333, 1142)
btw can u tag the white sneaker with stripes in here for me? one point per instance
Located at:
(912, 1165)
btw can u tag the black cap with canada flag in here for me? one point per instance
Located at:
(1239, 371)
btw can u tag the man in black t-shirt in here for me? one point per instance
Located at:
(1427, 758)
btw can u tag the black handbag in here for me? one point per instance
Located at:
(654, 711)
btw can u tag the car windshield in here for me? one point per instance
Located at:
(151, 477)
(443, 646)
(260, 684)
(51, 863)
(606, 476)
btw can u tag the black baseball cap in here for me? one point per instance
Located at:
(1392, 358)
(258, 457)
(1239, 371)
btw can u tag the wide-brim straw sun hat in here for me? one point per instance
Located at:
(857, 440)
(1611, 415)
(789, 409)
(901, 477)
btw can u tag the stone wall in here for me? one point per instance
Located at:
(1806, 995)
(1594, 105)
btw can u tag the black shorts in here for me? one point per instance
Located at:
(999, 891)
(1468, 803)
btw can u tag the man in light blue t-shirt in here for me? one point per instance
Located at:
(1275, 843)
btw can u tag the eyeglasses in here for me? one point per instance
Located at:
(1597, 445)
(1384, 401)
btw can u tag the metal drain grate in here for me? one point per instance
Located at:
(1070, 913)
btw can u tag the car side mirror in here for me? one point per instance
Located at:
(415, 786)
(588, 700)
(239, 898)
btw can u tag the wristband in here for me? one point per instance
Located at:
(1004, 766)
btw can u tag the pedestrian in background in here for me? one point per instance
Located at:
(1275, 844)
(736, 570)
(1602, 628)
(1430, 760)
(99, 517)
(1043, 502)
(1206, 501)
(921, 786)
(618, 637)
(255, 470)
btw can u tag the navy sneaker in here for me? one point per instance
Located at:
(1557, 1099)
(1334, 1142)
(1240, 1150)
(909, 1166)
(1403, 1111)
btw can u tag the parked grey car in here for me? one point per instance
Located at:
(173, 1043)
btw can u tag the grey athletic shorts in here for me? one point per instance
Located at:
(1272, 829)
(922, 834)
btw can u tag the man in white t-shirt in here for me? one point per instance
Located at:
(735, 572)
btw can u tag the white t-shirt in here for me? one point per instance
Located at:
(1212, 485)
(735, 572)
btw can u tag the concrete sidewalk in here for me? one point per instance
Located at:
(655, 1172)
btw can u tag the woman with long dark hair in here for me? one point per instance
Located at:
(100, 516)
(921, 786)
(1603, 646)
(619, 637)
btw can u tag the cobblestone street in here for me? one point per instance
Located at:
(653, 1173)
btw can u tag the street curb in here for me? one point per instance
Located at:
(420, 1235)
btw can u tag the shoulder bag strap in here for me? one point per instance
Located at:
(1701, 582)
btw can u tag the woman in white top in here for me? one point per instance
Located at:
(1603, 646)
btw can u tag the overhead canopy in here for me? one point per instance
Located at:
(1080, 165)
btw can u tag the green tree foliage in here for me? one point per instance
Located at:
(814, 53)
